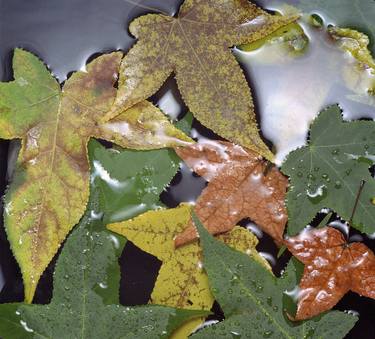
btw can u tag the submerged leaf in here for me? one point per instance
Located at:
(327, 173)
(333, 267)
(196, 47)
(81, 307)
(181, 281)
(55, 126)
(254, 301)
(130, 182)
(240, 186)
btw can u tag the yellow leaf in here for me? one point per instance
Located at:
(50, 187)
(182, 281)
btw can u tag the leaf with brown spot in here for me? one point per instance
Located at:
(240, 186)
(196, 47)
(50, 188)
(332, 268)
(182, 281)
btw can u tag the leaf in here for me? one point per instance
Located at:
(356, 43)
(130, 182)
(55, 126)
(78, 308)
(196, 47)
(253, 300)
(333, 267)
(328, 171)
(357, 14)
(238, 188)
(181, 281)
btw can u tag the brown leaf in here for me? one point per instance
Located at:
(332, 268)
(195, 46)
(238, 188)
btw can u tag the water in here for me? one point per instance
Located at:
(66, 34)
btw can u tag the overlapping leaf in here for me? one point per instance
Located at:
(357, 14)
(240, 186)
(196, 47)
(52, 168)
(181, 281)
(332, 268)
(254, 301)
(327, 173)
(85, 296)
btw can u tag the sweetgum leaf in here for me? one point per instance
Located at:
(333, 267)
(196, 47)
(55, 125)
(181, 281)
(130, 182)
(357, 14)
(252, 298)
(77, 308)
(327, 173)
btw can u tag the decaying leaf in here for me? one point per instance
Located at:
(196, 47)
(333, 267)
(327, 172)
(254, 301)
(356, 43)
(55, 125)
(85, 302)
(240, 186)
(181, 281)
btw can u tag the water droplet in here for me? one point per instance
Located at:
(348, 171)
(275, 308)
(299, 174)
(269, 301)
(336, 151)
(316, 169)
(267, 334)
(230, 291)
(338, 184)
(317, 195)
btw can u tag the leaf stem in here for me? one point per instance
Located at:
(361, 185)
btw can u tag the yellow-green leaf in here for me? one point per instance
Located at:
(50, 188)
(182, 281)
(196, 47)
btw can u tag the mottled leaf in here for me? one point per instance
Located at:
(196, 47)
(181, 281)
(81, 307)
(327, 173)
(357, 14)
(333, 267)
(253, 300)
(240, 186)
(55, 125)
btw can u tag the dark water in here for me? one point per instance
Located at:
(65, 34)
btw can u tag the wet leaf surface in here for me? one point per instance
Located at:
(196, 47)
(81, 306)
(181, 281)
(327, 173)
(254, 301)
(357, 14)
(55, 126)
(240, 186)
(332, 268)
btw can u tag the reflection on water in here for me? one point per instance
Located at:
(291, 90)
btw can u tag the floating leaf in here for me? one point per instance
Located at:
(332, 268)
(181, 281)
(357, 14)
(81, 306)
(130, 182)
(327, 173)
(55, 125)
(253, 300)
(196, 47)
(240, 186)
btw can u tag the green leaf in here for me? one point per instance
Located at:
(55, 125)
(357, 14)
(252, 298)
(77, 308)
(130, 182)
(327, 173)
